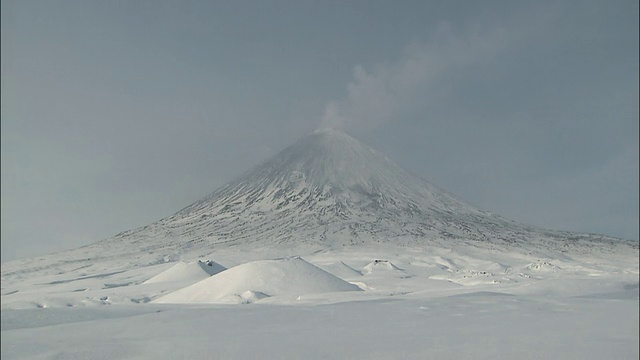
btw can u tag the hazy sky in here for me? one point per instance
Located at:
(118, 113)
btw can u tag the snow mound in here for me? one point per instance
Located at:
(188, 272)
(258, 279)
(379, 265)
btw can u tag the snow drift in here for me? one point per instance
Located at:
(187, 273)
(258, 279)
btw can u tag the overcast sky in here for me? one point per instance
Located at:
(118, 113)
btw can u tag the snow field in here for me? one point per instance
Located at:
(415, 304)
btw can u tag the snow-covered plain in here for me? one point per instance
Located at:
(415, 303)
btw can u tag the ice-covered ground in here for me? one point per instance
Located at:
(407, 303)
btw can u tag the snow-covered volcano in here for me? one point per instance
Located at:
(326, 191)
(330, 190)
